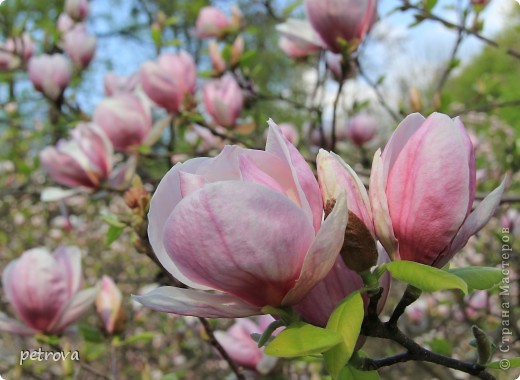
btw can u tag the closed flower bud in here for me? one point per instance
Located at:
(361, 129)
(50, 74)
(80, 46)
(211, 22)
(169, 80)
(124, 119)
(109, 306)
(270, 248)
(85, 160)
(237, 50)
(215, 55)
(347, 20)
(114, 84)
(422, 189)
(77, 9)
(223, 100)
(16, 51)
(49, 299)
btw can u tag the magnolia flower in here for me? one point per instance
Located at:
(77, 9)
(223, 100)
(247, 224)
(50, 74)
(422, 189)
(65, 22)
(114, 84)
(124, 119)
(348, 20)
(84, 160)
(215, 55)
(168, 81)
(15, 51)
(80, 46)
(49, 298)
(298, 39)
(109, 306)
(243, 349)
(361, 129)
(211, 22)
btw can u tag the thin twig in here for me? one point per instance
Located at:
(335, 115)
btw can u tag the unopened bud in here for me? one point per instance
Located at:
(483, 345)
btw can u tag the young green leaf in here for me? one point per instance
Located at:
(504, 364)
(480, 278)
(351, 373)
(300, 339)
(346, 320)
(113, 234)
(424, 277)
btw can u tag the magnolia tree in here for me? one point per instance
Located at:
(234, 209)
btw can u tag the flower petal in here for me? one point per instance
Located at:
(252, 173)
(244, 350)
(474, 223)
(310, 195)
(13, 326)
(190, 182)
(69, 259)
(164, 200)
(250, 240)
(74, 309)
(380, 213)
(196, 303)
(323, 253)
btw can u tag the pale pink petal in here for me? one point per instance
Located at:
(323, 253)
(74, 309)
(380, 213)
(252, 173)
(190, 182)
(474, 223)
(244, 351)
(69, 259)
(14, 327)
(251, 241)
(196, 303)
(164, 200)
(224, 167)
(308, 188)
(427, 193)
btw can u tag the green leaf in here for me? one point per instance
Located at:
(113, 233)
(480, 278)
(247, 58)
(111, 219)
(346, 320)
(300, 339)
(351, 373)
(90, 333)
(143, 337)
(424, 277)
(504, 364)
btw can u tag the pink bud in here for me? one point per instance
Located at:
(290, 132)
(237, 50)
(124, 119)
(114, 84)
(211, 22)
(223, 100)
(348, 20)
(65, 23)
(170, 80)
(80, 46)
(270, 248)
(84, 160)
(361, 129)
(77, 9)
(109, 306)
(50, 74)
(422, 189)
(334, 64)
(242, 348)
(15, 51)
(217, 61)
(49, 298)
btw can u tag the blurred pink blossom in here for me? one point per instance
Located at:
(109, 306)
(223, 100)
(361, 129)
(298, 39)
(50, 74)
(15, 51)
(215, 55)
(65, 22)
(114, 84)
(211, 22)
(77, 9)
(49, 298)
(80, 46)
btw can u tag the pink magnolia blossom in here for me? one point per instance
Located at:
(223, 100)
(114, 84)
(169, 80)
(15, 51)
(237, 49)
(422, 190)
(243, 349)
(84, 160)
(44, 290)
(77, 9)
(289, 131)
(334, 62)
(341, 19)
(361, 129)
(50, 74)
(80, 46)
(248, 224)
(125, 120)
(65, 22)
(211, 22)
(109, 306)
